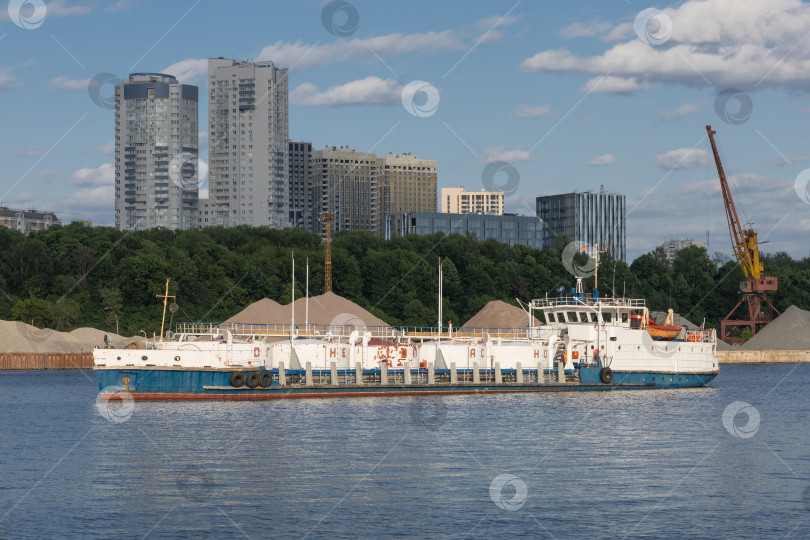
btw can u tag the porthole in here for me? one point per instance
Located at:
(144, 358)
(119, 358)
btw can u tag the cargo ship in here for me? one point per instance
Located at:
(583, 343)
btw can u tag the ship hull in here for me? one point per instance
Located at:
(207, 384)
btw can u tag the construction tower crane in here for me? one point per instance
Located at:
(327, 218)
(754, 291)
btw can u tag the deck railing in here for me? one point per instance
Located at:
(589, 301)
(344, 331)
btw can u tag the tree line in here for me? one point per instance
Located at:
(71, 276)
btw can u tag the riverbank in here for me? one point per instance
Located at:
(85, 360)
(41, 361)
(763, 356)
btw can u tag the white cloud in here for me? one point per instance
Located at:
(300, 55)
(369, 91)
(63, 84)
(28, 197)
(47, 174)
(189, 71)
(7, 77)
(31, 151)
(202, 139)
(759, 43)
(618, 85)
(304, 55)
(604, 159)
(525, 111)
(501, 153)
(683, 111)
(60, 8)
(91, 199)
(121, 5)
(683, 158)
(766, 200)
(106, 149)
(489, 27)
(589, 29)
(789, 159)
(620, 32)
(103, 175)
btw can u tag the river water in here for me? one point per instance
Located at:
(730, 460)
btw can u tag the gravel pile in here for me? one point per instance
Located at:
(499, 314)
(789, 331)
(19, 337)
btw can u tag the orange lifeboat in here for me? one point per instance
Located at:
(663, 332)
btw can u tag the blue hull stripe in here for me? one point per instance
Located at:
(169, 384)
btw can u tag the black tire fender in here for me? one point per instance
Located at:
(606, 375)
(252, 379)
(265, 379)
(237, 379)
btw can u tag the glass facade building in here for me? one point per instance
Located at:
(592, 218)
(509, 229)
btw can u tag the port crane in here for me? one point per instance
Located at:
(755, 290)
(327, 218)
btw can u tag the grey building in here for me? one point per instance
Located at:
(156, 149)
(26, 221)
(672, 247)
(508, 228)
(302, 195)
(346, 183)
(592, 218)
(247, 143)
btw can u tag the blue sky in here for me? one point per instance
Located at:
(572, 96)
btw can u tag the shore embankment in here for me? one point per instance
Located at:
(763, 356)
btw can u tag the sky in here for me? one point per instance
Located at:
(559, 96)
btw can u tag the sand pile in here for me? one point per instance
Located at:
(326, 309)
(499, 314)
(789, 331)
(19, 337)
(264, 311)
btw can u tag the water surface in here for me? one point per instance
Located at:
(655, 463)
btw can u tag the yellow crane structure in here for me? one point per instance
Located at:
(754, 291)
(327, 218)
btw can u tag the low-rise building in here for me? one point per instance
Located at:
(26, 221)
(457, 200)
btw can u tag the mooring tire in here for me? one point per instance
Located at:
(265, 379)
(237, 379)
(606, 375)
(252, 379)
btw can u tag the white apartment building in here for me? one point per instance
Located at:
(155, 129)
(247, 144)
(456, 200)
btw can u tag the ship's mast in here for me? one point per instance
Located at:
(165, 303)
